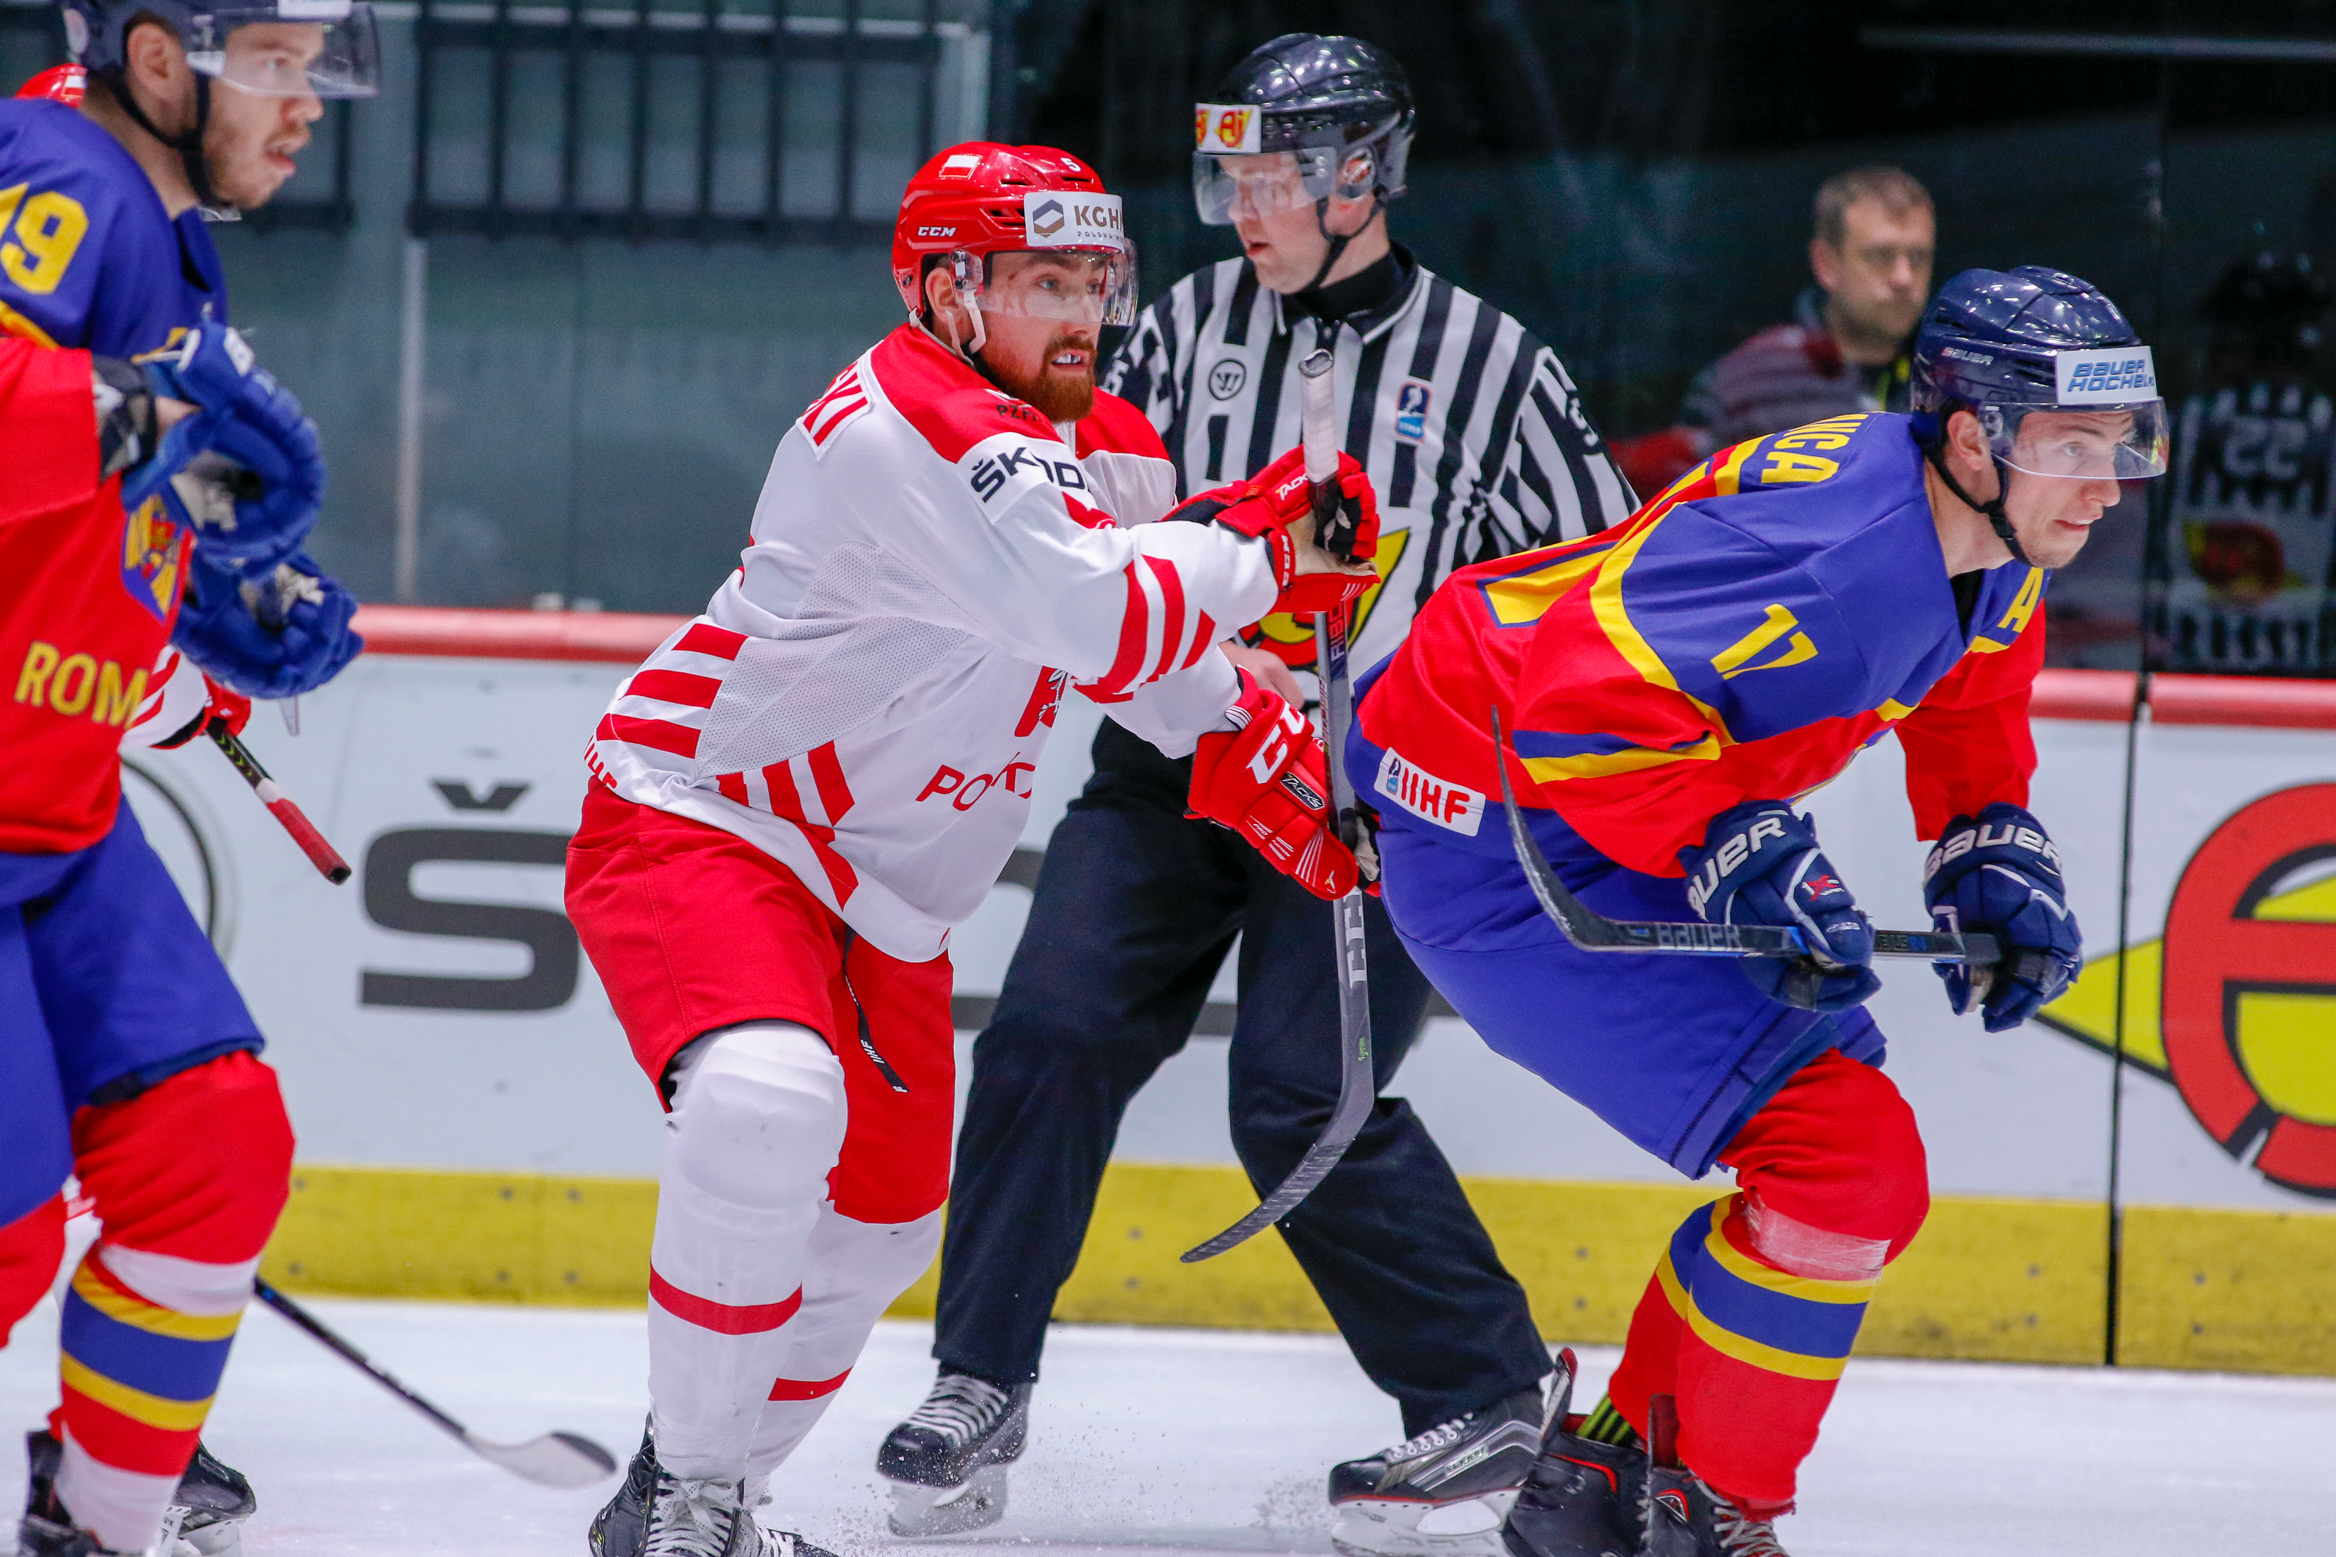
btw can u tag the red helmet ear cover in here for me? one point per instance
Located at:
(970, 197)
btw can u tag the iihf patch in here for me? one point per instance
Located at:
(1428, 797)
(1411, 410)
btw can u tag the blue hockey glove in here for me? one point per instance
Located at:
(247, 474)
(1759, 865)
(279, 637)
(2001, 874)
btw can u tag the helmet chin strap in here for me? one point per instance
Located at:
(188, 146)
(1992, 508)
(1337, 241)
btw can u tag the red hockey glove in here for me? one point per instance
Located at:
(1268, 781)
(1268, 503)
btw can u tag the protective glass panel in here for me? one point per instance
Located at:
(293, 49)
(1079, 286)
(2125, 444)
(1261, 185)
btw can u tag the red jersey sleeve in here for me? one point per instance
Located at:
(48, 430)
(1969, 744)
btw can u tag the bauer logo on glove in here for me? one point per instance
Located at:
(1999, 874)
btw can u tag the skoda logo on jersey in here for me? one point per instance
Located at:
(1411, 410)
(1228, 377)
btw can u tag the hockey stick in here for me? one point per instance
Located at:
(554, 1460)
(1595, 932)
(312, 843)
(1358, 1086)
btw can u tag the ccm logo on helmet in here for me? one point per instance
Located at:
(966, 793)
(936, 232)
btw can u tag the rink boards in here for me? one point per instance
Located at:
(471, 1123)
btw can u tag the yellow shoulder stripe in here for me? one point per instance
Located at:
(1606, 602)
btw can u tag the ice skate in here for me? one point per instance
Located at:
(47, 1530)
(206, 1514)
(1682, 1517)
(621, 1527)
(947, 1462)
(658, 1515)
(1446, 1491)
(1582, 1499)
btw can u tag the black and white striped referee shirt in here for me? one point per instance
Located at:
(1473, 434)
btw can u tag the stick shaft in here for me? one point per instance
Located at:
(1592, 931)
(1357, 1082)
(320, 852)
(364, 1364)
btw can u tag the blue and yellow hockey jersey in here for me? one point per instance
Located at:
(88, 256)
(1742, 637)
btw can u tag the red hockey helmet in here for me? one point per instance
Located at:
(979, 200)
(65, 84)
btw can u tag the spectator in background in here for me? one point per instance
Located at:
(1846, 348)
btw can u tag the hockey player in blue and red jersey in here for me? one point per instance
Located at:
(175, 513)
(1672, 688)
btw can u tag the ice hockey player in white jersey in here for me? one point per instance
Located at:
(1477, 446)
(801, 790)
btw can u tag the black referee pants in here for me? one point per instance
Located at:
(1135, 908)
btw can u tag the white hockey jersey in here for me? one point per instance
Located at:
(932, 563)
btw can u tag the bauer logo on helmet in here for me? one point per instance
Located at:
(2105, 376)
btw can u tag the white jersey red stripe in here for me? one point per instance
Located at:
(932, 563)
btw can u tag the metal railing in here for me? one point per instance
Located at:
(716, 123)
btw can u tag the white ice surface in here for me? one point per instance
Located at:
(1161, 1441)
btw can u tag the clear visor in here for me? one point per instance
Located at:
(1261, 184)
(1077, 286)
(2123, 443)
(296, 48)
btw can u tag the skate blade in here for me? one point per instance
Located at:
(928, 1511)
(1465, 1527)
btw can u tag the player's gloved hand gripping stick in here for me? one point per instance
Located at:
(1357, 1083)
(1595, 932)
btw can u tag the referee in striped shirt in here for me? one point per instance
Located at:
(1477, 445)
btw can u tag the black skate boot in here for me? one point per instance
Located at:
(1583, 1497)
(208, 1509)
(621, 1528)
(1682, 1517)
(655, 1514)
(206, 1513)
(947, 1462)
(1445, 1492)
(47, 1530)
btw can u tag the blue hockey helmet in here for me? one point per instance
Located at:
(346, 61)
(2005, 344)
